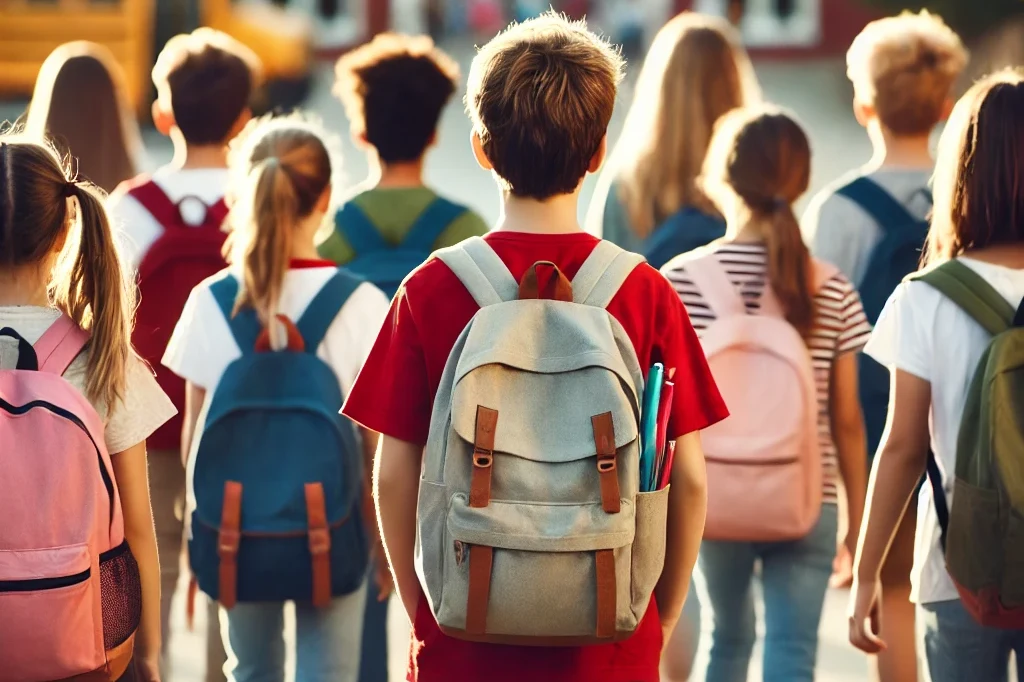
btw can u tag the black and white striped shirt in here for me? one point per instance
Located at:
(839, 327)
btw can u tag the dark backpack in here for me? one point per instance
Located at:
(682, 232)
(387, 265)
(180, 258)
(897, 255)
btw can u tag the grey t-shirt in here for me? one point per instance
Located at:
(842, 233)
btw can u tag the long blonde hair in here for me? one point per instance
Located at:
(695, 72)
(761, 158)
(44, 210)
(281, 169)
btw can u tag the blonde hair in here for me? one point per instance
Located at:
(905, 67)
(43, 209)
(281, 168)
(695, 72)
(761, 157)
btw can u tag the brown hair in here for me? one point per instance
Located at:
(205, 78)
(43, 210)
(281, 168)
(979, 170)
(905, 67)
(761, 158)
(540, 97)
(695, 71)
(103, 136)
(394, 89)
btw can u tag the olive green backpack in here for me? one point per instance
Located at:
(983, 533)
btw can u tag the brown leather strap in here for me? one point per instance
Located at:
(483, 457)
(607, 468)
(227, 543)
(319, 543)
(604, 564)
(556, 287)
(481, 558)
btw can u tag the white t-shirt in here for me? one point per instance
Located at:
(923, 333)
(137, 226)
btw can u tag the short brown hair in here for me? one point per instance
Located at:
(206, 79)
(905, 67)
(394, 89)
(540, 97)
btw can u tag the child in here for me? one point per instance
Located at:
(933, 347)
(172, 221)
(540, 98)
(394, 90)
(758, 165)
(872, 225)
(58, 257)
(282, 181)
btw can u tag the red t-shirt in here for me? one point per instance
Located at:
(395, 392)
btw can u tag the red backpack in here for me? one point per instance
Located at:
(182, 257)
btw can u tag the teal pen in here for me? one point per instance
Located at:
(649, 426)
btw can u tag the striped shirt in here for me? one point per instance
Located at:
(839, 327)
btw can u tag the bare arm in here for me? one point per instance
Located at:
(687, 506)
(381, 572)
(131, 474)
(396, 475)
(897, 469)
(851, 441)
(195, 396)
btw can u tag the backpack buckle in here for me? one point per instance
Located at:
(319, 541)
(606, 463)
(228, 541)
(482, 458)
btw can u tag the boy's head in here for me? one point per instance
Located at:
(903, 69)
(394, 89)
(204, 81)
(540, 97)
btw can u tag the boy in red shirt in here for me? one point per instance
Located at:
(540, 98)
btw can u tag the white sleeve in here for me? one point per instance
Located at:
(352, 334)
(135, 228)
(202, 345)
(902, 337)
(142, 411)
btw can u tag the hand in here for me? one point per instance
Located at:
(147, 668)
(667, 630)
(842, 567)
(866, 616)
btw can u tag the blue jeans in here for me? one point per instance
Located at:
(794, 576)
(327, 640)
(955, 648)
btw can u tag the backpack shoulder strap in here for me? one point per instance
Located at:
(708, 275)
(245, 326)
(883, 208)
(324, 308)
(155, 200)
(216, 214)
(359, 231)
(603, 274)
(59, 345)
(481, 271)
(431, 224)
(976, 297)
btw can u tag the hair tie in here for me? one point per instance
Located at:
(779, 203)
(70, 190)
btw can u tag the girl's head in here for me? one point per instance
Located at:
(979, 170)
(758, 165)
(281, 190)
(53, 228)
(695, 72)
(103, 136)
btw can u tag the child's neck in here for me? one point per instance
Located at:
(893, 151)
(191, 157)
(403, 174)
(556, 215)
(25, 285)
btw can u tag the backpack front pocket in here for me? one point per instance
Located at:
(52, 625)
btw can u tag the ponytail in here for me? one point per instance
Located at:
(789, 267)
(89, 285)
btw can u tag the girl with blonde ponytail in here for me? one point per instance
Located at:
(758, 165)
(281, 192)
(58, 257)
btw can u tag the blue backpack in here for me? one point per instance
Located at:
(684, 231)
(278, 473)
(897, 255)
(387, 265)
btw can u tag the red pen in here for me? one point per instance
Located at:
(666, 471)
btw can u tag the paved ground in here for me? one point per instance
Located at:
(818, 92)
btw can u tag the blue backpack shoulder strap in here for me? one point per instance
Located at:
(245, 326)
(878, 203)
(358, 230)
(431, 224)
(325, 306)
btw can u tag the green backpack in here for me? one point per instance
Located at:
(983, 533)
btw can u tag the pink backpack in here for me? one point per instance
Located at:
(70, 595)
(764, 462)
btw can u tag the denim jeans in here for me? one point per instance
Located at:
(327, 640)
(955, 648)
(794, 576)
